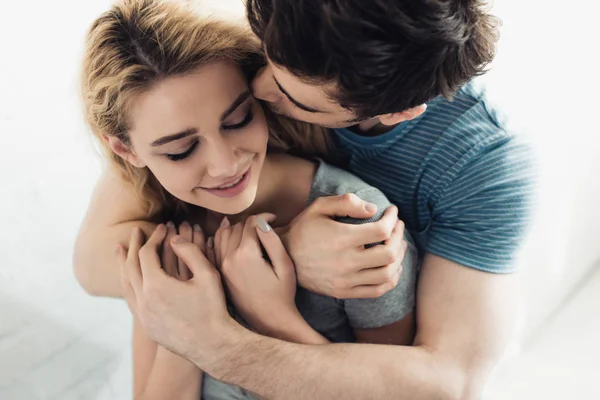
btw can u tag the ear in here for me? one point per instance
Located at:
(124, 151)
(406, 115)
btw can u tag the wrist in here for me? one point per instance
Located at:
(295, 329)
(171, 360)
(217, 355)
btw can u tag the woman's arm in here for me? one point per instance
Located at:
(113, 212)
(160, 374)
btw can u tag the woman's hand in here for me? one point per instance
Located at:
(262, 292)
(172, 265)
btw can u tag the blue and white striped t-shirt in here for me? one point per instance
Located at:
(462, 183)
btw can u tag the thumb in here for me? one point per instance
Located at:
(190, 254)
(345, 205)
(282, 263)
(268, 217)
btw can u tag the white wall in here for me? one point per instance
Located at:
(545, 80)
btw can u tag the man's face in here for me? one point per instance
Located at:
(289, 96)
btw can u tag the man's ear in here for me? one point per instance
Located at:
(406, 115)
(124, 151)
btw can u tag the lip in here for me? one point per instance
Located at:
(234, 190)
(229, 181)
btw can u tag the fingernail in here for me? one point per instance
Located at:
(170, 224)
(263, 225)
(210, 243)
(370, 207)
(224, 222)
(178, 239)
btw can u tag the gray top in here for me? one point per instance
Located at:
(335, 318)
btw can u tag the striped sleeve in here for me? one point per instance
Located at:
(481, 214)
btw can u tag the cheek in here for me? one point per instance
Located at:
(257, 135)
(176, 178)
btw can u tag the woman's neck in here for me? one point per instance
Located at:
(283, 188)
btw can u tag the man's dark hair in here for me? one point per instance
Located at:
(384, 55)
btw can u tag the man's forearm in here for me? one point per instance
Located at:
(280, 370)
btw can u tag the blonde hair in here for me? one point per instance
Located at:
(138, 43)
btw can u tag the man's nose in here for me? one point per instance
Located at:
(263, 86)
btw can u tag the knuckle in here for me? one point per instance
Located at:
(382, 289)
(398, 275)
(145, 251)
(250, 221)
(226, 266)
(389, 255)
(184, 229)
(229, 264)
(351, 198)
(381, 231)
(400, 226)
(390, 274)
(403, 248)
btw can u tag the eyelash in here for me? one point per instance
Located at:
(247, 119)
(181, 156)
(185, 154)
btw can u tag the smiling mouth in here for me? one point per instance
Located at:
(231, 183)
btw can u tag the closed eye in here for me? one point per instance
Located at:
(247, 119)
(185, 154)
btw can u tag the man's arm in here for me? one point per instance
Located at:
(464, 321)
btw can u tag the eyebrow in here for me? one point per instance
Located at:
(237, 102)
(192, 131)
(297, 103)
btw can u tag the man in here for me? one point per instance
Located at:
(379, 73)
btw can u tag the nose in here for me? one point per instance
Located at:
(263, 86)
(222, 159)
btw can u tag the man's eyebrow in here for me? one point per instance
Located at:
(297, 103)
(192, 131)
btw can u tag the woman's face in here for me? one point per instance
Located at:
(203, 136)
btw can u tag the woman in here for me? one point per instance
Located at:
(166, 93)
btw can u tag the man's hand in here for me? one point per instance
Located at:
(330, 256)
(189, 317)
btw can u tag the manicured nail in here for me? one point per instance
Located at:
(210, 243)
(370, 207)
(263, 225)
(178, 239)
(197, 228)
(224, 222)
(170, 224)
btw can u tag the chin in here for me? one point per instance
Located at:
(235, 205)
(234, 209)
